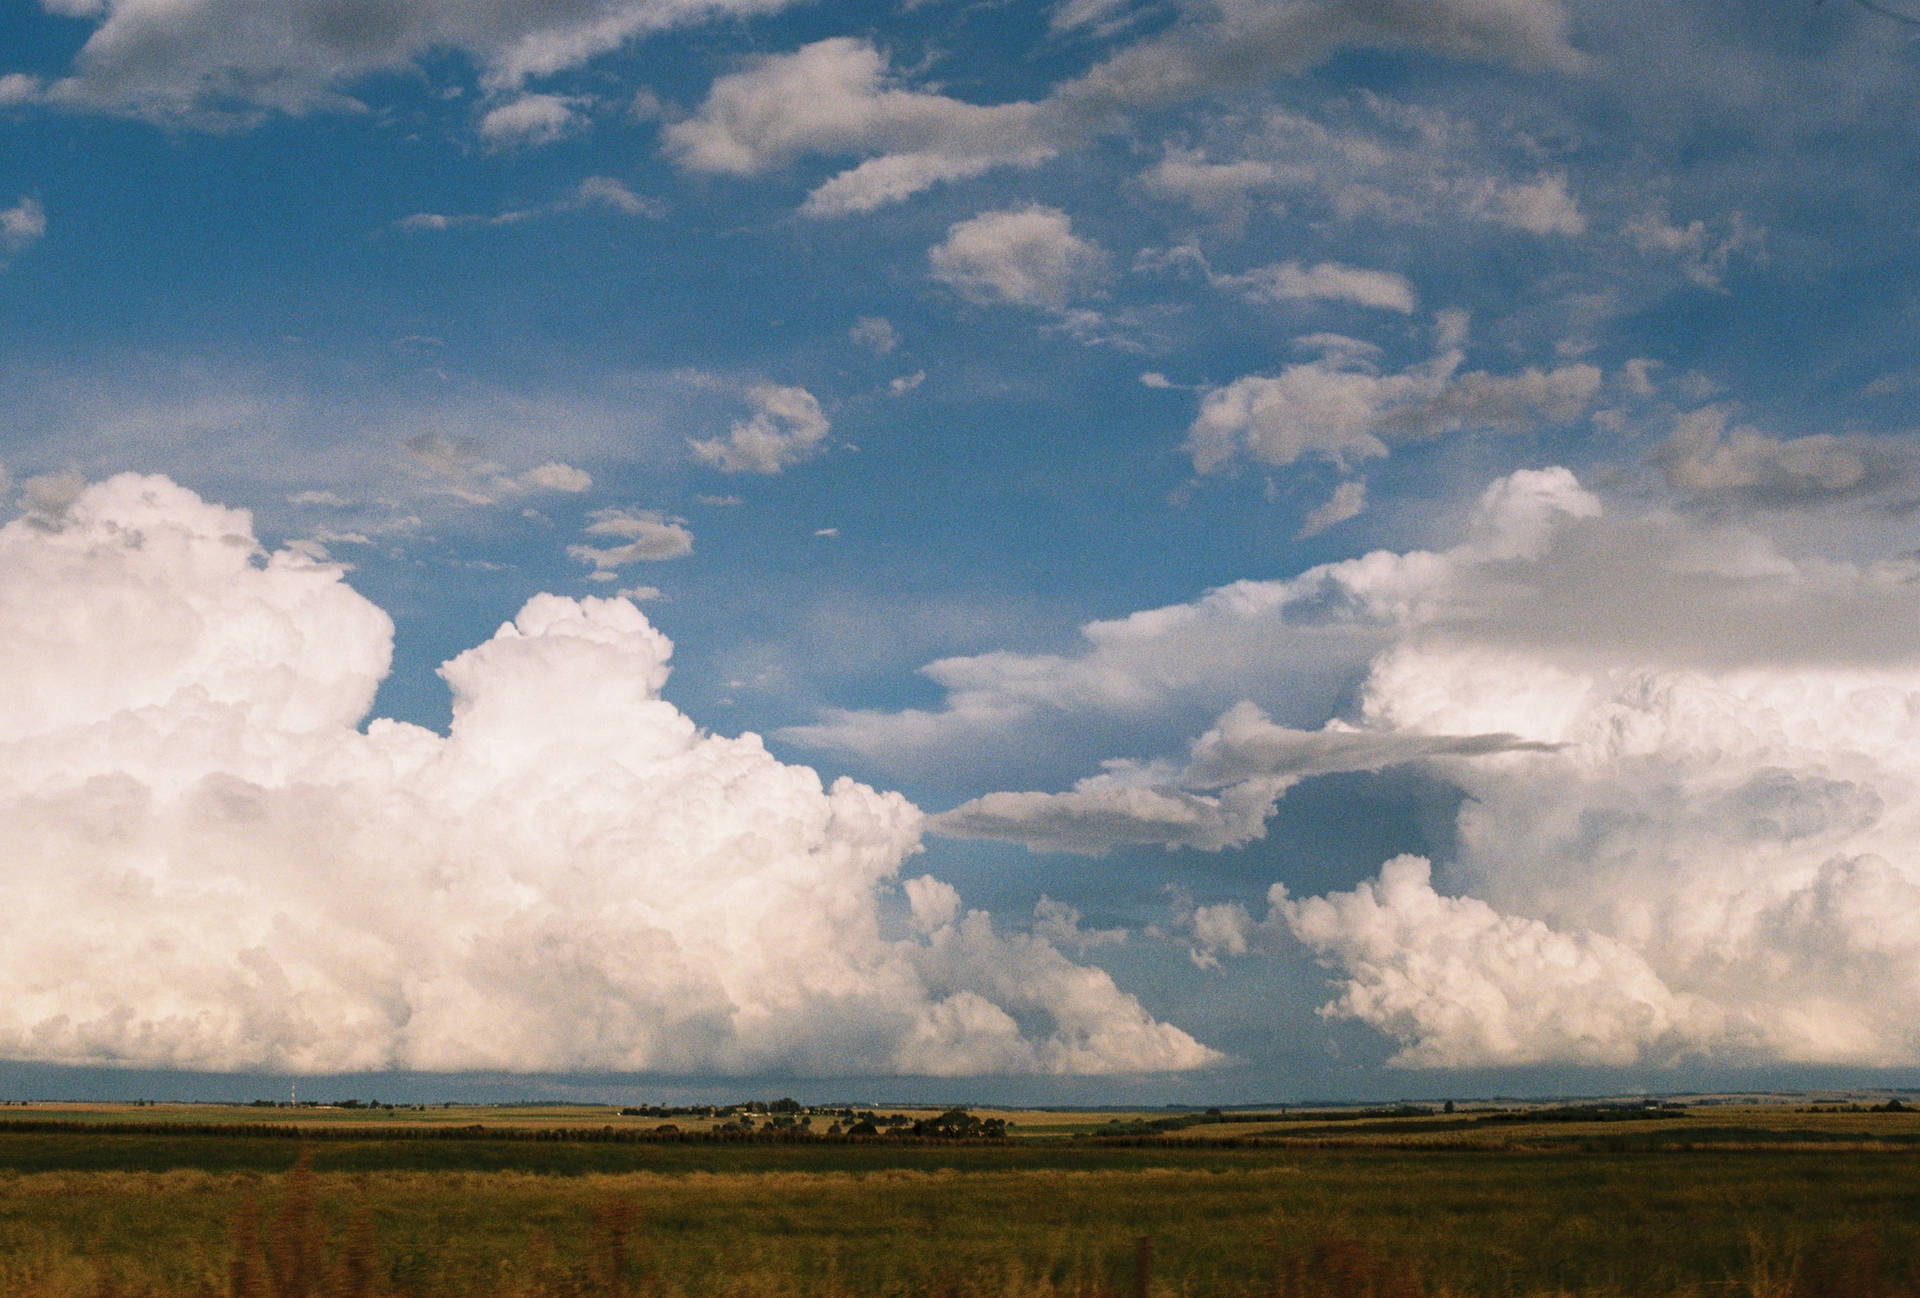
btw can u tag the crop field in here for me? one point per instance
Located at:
(262, 1202)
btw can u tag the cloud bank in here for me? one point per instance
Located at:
(1690, 807)
(210, 864)
(1222, 797)
(787, 427)
(1341, 408)
(221, 62)
(839, 98)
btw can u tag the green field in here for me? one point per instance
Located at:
(1758, 1202)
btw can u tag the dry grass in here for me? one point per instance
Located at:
(1775, 1210)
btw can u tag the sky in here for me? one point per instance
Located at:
(1168, 551)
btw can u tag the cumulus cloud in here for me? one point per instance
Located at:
(19, 88)
(1691, 833)
(1713, 862)
(875, 333)
(554, 476)
(1741, 465)
(1465, 986)
(1349, 500)
(1695, 836)
(1230, 45)
(211, 863)
(1234, 777)
(1370, 159)
(603, 192)
(1341, 408)
(1538, 206)
(1221, 191)
(1704, 252)
(640, 535)
(1112, 810)
(1070, 15)
(787, 426)
(1292, 282)
(23, 223)
(1327, 282)
(836, 97)
(462, 470)
(1060, 925)
(1022, 257)
(216, 63)
(531, 119)
(1302, 637)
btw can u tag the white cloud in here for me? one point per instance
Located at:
(1023, 257)
(213, 63)
(1741, 465)
(1060, 925)
(47, 496)
(23, 223)
(1328, 282)
(787, 427)
(554, 476)
(1539, 206)
(1234, 777)
(836, 97)
(643, 534)
(1704, 254)
(605, 191)
(1112, 810)
(593, 192)
(1301, 637)
(1710, 853)
(213, 865)
(933, 903)
(875, 333)
(19, 88)
(905, 383)
(1290, 281)
(1069, 15)
(331, 499)
(1349, 500)
(1238, 44)
(531, 120)
(462, 471)
(1222, 191)
(1370, 159)
(1341, 408)
(1465, 986)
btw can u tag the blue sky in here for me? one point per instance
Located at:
(1345, 547)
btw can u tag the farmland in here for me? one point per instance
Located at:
(1757, 1201)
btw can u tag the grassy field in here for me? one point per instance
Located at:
(1758, 1202)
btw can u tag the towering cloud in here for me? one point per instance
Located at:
(1691, 762)
(210, 864)
(1708, 849)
